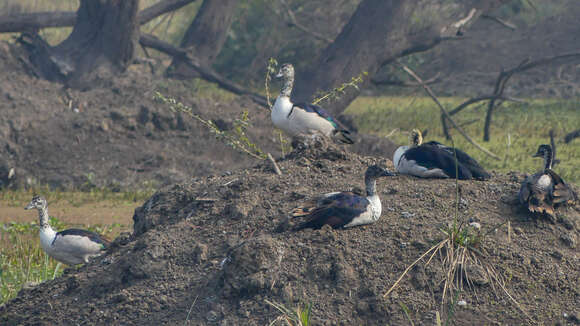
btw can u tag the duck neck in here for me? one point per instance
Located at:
(43, 218)
(288, 84)
(547, 160)
(371, 186)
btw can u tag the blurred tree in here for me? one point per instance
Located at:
(379, 32)
(102, 43)
(205, 36)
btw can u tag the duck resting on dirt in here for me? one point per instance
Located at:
(435, 160)
(344, 209)
(72, 246)
(545, 191)
(304, 119)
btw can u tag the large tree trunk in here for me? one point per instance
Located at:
(205, 36)
(379, 32)
(101, 44)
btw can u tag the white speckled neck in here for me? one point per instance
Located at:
(43, 217)
(288, 84)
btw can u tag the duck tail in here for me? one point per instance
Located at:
(343, 136)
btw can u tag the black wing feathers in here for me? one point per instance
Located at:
(432, 157)
(336, 211)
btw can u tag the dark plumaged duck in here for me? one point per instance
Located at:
(435, 160)
(545, 191)
(303, 119)
(72, 246)
(345, 209)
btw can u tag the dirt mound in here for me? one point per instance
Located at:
(212, 250)
(116, 135)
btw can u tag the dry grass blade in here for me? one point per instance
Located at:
(435, 248)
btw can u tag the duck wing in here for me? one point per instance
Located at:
(561, 193)
(94, 237)
(433, 157)
(336, 210)
(474, 167)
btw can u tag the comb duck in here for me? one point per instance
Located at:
(435, 160)
(344, 209)
(72, 246)
(303, 119)
(545, 191)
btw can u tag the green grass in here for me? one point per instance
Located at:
(23, 261)
(21, 197)
(517, 129)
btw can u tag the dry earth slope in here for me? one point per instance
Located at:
(212, 250)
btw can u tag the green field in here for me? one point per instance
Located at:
(517, 129)
(22, 260)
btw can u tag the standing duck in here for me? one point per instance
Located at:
(303, 119)
(435, 160)
(544, 191)
(72, 246)
(345, 209)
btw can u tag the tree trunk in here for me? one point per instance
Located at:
(379, 32)
(205, 36)
(101, 44)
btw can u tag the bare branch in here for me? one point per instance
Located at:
(31, 21)
(160, 8)
(505, 75)
(470, 102)
(206, 72)
(294, 22)
(500, 21)
(401, 83)
(553, 144)
(571, 136)
(461, 131)
(27, 22)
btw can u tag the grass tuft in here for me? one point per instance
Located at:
(292, 317)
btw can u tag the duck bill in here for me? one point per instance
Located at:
(537, 155)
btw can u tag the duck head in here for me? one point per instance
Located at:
(415, 138)
(375, 171)
(545, 151)
(286, 71)
(37, 202)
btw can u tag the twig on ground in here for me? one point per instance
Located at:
(276, 168)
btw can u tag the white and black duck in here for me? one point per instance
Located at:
(303, 119)
(344, 209)
(435, 160)
(545, 191)
(72, 246)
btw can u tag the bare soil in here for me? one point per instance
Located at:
(215, 242)
(212, 250)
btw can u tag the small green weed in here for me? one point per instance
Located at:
(237, 139)
(292, 317)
